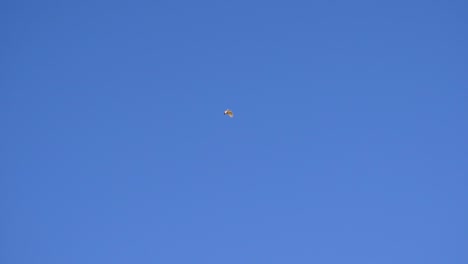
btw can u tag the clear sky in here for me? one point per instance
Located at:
(349, 142)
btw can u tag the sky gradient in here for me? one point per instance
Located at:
(349, 142)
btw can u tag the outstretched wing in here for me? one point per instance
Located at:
(229, 113)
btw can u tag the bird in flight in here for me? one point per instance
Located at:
(229, 113)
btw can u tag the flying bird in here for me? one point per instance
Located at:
(229, 113)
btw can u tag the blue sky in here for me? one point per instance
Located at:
(348, 145)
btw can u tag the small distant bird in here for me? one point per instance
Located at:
(229, 113)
